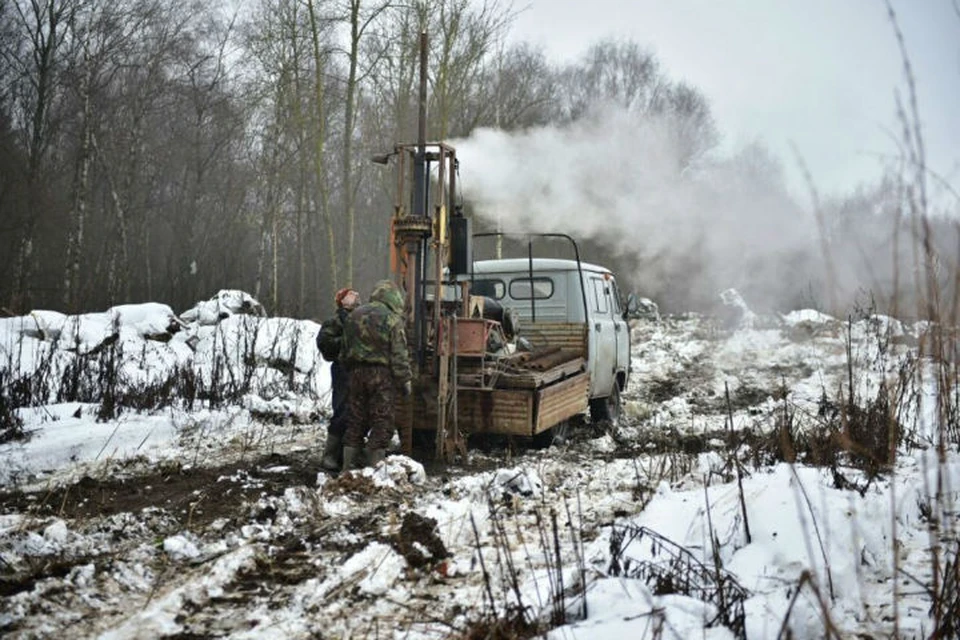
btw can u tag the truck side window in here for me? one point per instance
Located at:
(520, 288)
(617, 310)
(600, 295)
(490, 288)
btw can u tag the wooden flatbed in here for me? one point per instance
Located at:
(522, 394)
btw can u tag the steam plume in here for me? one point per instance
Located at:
(627, 181)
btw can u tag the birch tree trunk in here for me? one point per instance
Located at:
(116, 274)
(319, 60)
(81, 188)
(358, 25)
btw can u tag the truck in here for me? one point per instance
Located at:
(566, 306)
(541, 342)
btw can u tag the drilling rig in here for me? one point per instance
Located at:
(469, 377)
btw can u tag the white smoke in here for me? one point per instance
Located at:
(622, 179)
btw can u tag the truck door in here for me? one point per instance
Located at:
(603, 337)
(622, 330)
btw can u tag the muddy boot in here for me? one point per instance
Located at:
(331, 452)
(351, 458)
(376, 455)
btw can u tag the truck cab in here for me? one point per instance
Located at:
(548, 291)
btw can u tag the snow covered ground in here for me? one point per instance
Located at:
(717, 509)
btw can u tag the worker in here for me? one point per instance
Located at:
(375, 354)
(330, 344)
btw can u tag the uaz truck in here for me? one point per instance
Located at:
(541, 341)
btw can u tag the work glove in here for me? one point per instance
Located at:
(407, 389)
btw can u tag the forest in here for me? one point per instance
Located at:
(166, 149)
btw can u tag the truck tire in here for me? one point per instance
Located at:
(556, 435)
(607, 409)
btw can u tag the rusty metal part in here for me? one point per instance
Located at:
(415, 227)
(550, 360)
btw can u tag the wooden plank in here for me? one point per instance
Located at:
(562, 401)
(498, 411)
(566, 335)
(537, 379)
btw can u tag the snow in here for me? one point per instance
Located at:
(290, 552)
(159, 617)
(225, 303)
(180, 547)
(806, 315)
(628, 609)
(67, 433)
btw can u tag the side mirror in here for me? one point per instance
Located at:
(631, 307)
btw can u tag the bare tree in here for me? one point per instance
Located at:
(291, 44)
(625, 74)
(81, 182)
(621, 72)
(467, 34)
(319, 122)
(359, 21)
(520, 91)
(34, 58)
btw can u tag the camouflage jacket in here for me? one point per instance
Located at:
(330, 336)
(373, 333)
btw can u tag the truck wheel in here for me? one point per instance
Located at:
(556, 435)
(607, 409)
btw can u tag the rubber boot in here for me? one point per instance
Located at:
(376, 455)
(331, 452)
(351, 455)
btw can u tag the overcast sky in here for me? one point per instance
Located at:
(820, 74)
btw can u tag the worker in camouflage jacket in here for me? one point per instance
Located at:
(330, 343)
(375, 354)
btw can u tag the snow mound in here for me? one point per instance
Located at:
(86, 333)
(519, 482)
(811, 316)
(148, 320)
(885, 325)
(48, 323)
(226, 303)
(396, 472)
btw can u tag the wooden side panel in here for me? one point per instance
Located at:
(528, 407)
(504, 411)
(498, 411)
(561, 401)
(569, 336)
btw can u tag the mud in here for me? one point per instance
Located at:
(419, 541)
(194, 496)
(46, 568)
